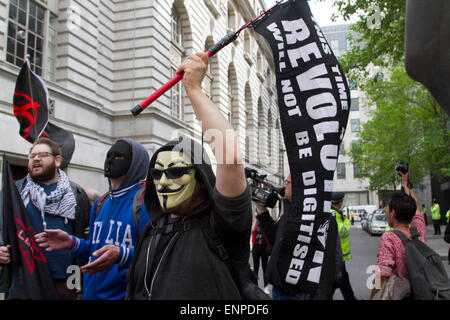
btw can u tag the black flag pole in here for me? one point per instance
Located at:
(30, 87)
(222, 43)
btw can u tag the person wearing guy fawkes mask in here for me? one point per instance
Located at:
(113, 231)
(174, 259)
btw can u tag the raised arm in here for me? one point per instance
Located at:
(408, 191)
(230, 176)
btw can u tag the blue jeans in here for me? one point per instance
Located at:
(278, 294)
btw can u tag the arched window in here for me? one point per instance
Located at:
(231, 18)
(177, 91)
(177, 31)
(269, 138)
(230, 94)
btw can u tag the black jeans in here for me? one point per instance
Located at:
(344, 285)
(259, 251)
(437, 226)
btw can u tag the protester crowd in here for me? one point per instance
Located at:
(184, 233)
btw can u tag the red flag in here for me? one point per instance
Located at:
(30, 274)
(30, 103)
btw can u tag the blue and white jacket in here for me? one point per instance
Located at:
(114, 225)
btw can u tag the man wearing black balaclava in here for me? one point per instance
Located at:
(113, 229)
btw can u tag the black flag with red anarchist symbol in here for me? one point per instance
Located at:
(30, 276)
(30, 103)
(313, 99)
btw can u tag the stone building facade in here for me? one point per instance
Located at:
(100, 58)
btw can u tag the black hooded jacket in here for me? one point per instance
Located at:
(181, 265)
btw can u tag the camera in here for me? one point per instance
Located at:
(402, 167)
(263, 191)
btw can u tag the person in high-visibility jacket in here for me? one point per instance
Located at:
(344, 225)
(447, 215)
(436, 217)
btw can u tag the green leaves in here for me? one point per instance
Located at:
(381, 27)
(405, 126)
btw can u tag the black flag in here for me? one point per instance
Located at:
(31, 110)
(65, 141)
(427, 49)
(314, 100)
(30, 103)
(30, 274)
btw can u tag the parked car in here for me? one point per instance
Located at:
(359, 210)
(365, 222)
(378, 223)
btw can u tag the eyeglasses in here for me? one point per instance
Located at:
(40, 155)
(171, 173)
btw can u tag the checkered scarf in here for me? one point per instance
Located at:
(60, 202)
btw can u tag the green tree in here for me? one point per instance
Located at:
(406, 125)
(381, 32)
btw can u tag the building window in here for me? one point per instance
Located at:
(177, 31)
(334, 45)
(340, 170)
(356, 171)
(26, 34)
(341, 148)
(177, 54)
(354, 104)
(355, 125)
(176, 98)
(207, 82)
(231, 18)
(51, 48)
(269, 137)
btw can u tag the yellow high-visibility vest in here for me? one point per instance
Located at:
(435, 212)
(344, 233)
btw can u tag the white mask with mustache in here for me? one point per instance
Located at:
(172, 191)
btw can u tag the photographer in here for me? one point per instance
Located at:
(274, 230)
(402, 213)
(270, 228)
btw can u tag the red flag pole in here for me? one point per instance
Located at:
(230, 37)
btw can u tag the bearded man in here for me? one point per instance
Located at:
(51, 203)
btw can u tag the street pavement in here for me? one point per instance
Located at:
(364, 249)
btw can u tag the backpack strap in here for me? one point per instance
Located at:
(100, 203)
(137, 205)
(180, 226)
(414, 233)
(138, 199)
(214, 241)
(402, 236)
